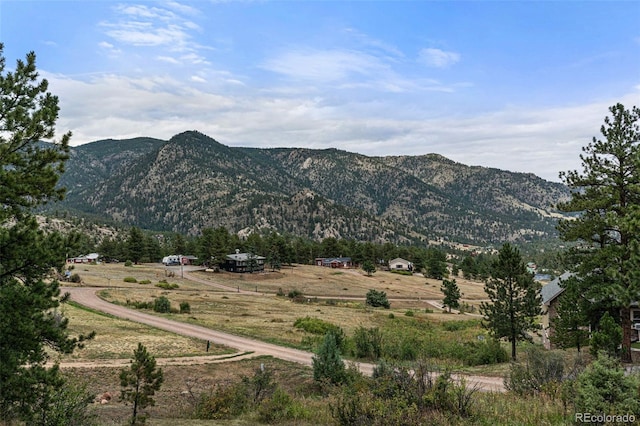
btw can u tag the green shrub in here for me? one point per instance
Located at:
(281, 407)
(144, 282)
(162, 304)
(458, 325)
(68, 405)
(409, 313)
(293, 294)
(377, 298)
(167, 286)
(185, 308)
(140, 305)
(540, 369)
(130, 280)
(225, 402)
(487, 352)
(367, 343)
(327, 363)
(604, 388)
(128, 263)
(315, 325)
(75, 278)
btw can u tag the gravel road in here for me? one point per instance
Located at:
(88, 297)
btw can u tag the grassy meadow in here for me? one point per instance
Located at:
(412, 329)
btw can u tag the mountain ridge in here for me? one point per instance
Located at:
(192, 181)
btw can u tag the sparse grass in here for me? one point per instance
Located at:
(272, 318)
(117, 338)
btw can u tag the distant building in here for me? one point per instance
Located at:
(87, 258)
(400, 264)
(334, 262)
(178, 259)
(243, 262)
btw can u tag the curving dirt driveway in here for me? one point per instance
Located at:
(87, 297)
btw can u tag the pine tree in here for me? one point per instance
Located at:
(451, 293)
(571, 325)
(135, 245)
(607, 196)
(327, 363)
(515, 298)
(368, 267)
(140, 382)
(29, 293)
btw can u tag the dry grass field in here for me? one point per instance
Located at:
(336, 296)
(117, 338)
(248, 306)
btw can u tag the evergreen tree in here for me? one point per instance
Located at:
(571, 325)
(515, 298)
(29, 293)
(206, 246)
(607, 338)
(436, 264)
(140, 382)
(607, 195)
(135, 245)
(451, 294)
(368, 267)
(327, 363)
(178, 244)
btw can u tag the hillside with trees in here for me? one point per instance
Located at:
(192, 182)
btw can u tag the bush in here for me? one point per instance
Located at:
(458, 325)
(75, 278)
(294, 293)
(185, 308)
(401, 272)
(487, 352)
(368, 343)
(281, 407)
(162, 304)
(68, 405)
(167, 286)
(144, 282)
(377, 299)
(316, 326)
(130, 280)
(409, 313)
(225, 402)
(128, 263)
(541, 369)
(603, 388)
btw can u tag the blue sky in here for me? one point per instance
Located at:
(515, 85)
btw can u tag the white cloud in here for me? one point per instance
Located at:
(438, 58)
(322, 65)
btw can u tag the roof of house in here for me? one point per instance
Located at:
(241, 257)
(336, 259)
(552, 290)
(399, 260)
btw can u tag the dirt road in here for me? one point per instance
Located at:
(87, 297)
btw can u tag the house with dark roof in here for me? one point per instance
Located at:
(243, 262)
(334, 262)
(551, 294)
